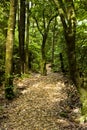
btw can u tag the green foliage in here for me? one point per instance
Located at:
(42, 11)
(4, 12)
(24, 76)
(64, 114)
(59, 47)
(2, 62)
(9, 92)
(81, 46)
(35, 56)
(9, 88)
(47, 9)
(2, 71)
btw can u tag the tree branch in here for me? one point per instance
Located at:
(44, 18)
(55, 15)
(38, 25)
(61, 13)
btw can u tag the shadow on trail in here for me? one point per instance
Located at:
(45, 103)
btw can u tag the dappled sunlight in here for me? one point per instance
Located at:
(44, 102)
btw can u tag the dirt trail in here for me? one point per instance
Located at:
(43, 103)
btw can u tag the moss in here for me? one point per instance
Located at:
(9, 94)
(43, 67)
(83, 98)
(64, 114)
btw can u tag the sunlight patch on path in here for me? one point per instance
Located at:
(28, 89)
(40, 106)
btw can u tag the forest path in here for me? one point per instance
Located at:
(43, 103)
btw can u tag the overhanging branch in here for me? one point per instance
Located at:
(38, 25)
(61, 13)
(55, 15)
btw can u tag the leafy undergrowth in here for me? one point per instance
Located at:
(43, 103)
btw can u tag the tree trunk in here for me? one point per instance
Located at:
(9, 94)
(62, 64)
(27, 40)
(53, 42)
(69, 24)
(52, 62)
(43, 60)
(67, 15)
(74, 73)
(70, 42)
(22, 35)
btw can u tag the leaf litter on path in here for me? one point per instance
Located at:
(44, 103)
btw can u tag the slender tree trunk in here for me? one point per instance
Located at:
(52, 63)
(27, 40)
(22, 35)
(43, 60)
(53, 42)
(62, 64)
(9, 51)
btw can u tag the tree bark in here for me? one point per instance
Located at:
(22, 35)
(68, 19)
(70, 42)
(9, 51)
(27, 40)
(43, 59)
(53, 43)
(62, 64)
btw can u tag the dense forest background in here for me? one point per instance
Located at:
(37, 32)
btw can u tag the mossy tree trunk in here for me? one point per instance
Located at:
(9, 94)
(83, 98)
(67, 15)
(70, 42)
(43, 58)
(53, 41)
